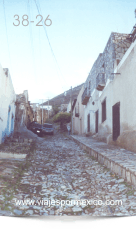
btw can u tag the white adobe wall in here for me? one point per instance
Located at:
(122, 89)
(7, 105)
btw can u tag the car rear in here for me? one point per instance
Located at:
(48, 128)
(36, 128)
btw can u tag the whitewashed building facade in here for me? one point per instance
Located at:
(7, 104)
(109, 97)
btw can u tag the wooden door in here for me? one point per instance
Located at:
(96, 121)
(116, 121)
(88, 123)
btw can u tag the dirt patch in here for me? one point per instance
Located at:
(126, 140)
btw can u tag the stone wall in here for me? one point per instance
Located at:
(24, 112)
(107, 61)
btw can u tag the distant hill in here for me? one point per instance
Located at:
(64, 98)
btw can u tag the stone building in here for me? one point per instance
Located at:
(7, 104)
(24, 112)
(109, 95)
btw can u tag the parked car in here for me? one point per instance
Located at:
(47, 128)
(35, 128)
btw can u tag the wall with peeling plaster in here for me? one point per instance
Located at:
(119, 56)
(7, 104)
(24, 112)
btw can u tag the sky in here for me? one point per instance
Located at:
(48, 60)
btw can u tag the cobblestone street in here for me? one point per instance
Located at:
(57, 169)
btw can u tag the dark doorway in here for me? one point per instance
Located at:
(104, 110)
(96, 121)
(88, 122)
(116, 120)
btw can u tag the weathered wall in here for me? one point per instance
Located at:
(125, 85)
(29, 113)
(121, 89)
(103, 69)
(7, 104)
(24, 112)
(119, 56)
(115, 49)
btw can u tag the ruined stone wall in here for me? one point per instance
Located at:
(107, 61)
(121, 44)
(29, 113)
(24, 112)
(20, 115)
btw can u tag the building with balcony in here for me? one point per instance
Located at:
(100, 81)
(85, 96)
(110, 111)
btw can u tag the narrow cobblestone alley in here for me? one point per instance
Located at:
(57, 169)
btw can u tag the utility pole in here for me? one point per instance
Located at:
(71, 114)
(48, 107)
(42, 111)
(42, 108)
(34, 110)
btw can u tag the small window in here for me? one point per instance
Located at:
(89, 85)
(118, 61)
(104, 110)
(103, 66)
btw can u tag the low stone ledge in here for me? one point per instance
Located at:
(119, 167)
(12, 155)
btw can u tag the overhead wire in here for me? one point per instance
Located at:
(31, 36)
(7, 34)
(39, 11)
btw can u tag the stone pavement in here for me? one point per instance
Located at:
(58, 170)
(118, 160)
